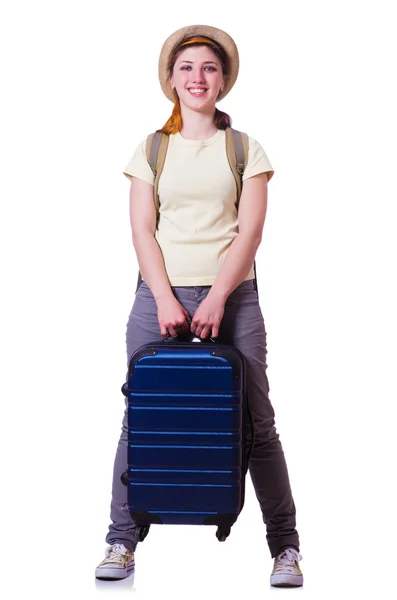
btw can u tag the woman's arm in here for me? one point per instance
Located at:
(143, 227)
(241, 254)
(239, 259)
(171, 314)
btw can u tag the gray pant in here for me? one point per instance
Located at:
(243, 327)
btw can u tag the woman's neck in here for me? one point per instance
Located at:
(197, 126)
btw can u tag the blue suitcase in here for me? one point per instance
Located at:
(188, 435)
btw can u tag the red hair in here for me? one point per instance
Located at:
(221, 119)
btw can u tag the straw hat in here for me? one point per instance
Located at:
(218, 36)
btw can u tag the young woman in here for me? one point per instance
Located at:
(197, 264)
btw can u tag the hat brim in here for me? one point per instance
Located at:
(219, 36)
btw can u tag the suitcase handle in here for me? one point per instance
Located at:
(190, 337)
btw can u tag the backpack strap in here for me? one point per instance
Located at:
(237, 155)
(156, 151)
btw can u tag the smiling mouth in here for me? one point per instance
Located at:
(197, 91)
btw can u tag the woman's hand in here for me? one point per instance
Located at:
(172, 317)
(208, 317)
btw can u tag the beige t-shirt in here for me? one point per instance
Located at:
(198, 215)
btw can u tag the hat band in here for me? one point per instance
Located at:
(198, 40)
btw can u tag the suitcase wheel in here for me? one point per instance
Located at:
(143, 531)
(222, 533)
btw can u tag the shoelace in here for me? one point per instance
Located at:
(116, 553)
(287, 559)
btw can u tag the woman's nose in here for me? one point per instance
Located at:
(198, 75)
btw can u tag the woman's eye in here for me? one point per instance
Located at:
(207, 68)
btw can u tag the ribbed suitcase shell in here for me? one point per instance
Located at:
(186, 448)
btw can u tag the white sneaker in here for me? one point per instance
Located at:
(117, 564)
(286, 571)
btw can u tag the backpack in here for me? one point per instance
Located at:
(237, 154)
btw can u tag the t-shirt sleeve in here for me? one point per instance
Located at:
(258, 161)
(138, 165)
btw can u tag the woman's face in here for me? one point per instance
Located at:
(197, 77)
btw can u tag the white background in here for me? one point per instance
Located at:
(79, 92)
